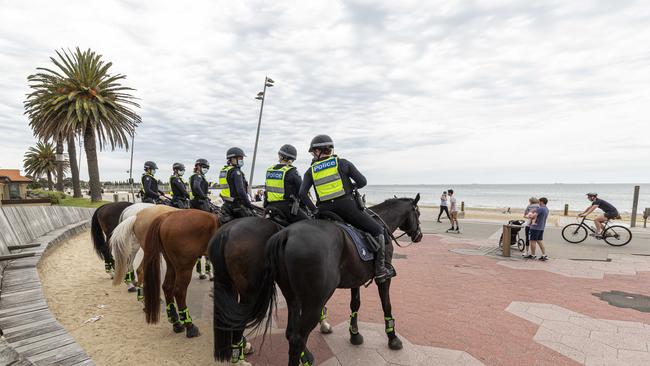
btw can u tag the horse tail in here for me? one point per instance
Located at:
(121, 241)
(97, 235)
(151, 266)
(224, 296)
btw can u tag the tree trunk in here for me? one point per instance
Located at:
(59, 165)
(90, 146)
(74, 168)
(49, 181)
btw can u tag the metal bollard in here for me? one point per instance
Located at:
(116, 197)
(566, 209)
(462, 206)
(506, 241)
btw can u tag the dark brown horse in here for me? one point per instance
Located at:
(308, 260)
(181, 237)
(104, 220)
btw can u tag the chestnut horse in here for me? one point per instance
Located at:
(181, 237)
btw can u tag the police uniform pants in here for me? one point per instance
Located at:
(200, 204)
(285, 208)
(236, 210)
(180, 203)
(148, 200)
(347, 209)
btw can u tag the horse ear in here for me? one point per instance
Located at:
(395, 196)
(417, 198)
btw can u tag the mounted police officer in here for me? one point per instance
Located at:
(180, 197)
(150, 191)
(234, 186)
(199, 186)
(334, 180)
(283, 186)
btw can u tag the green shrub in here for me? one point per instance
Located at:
(55, 196)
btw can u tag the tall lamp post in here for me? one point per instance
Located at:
(268, 82)
(131, 166)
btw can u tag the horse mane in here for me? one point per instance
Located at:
(391, 201)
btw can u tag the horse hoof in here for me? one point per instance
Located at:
(178, 327)
(192, 331)
(395, 344)
(248, 348)
(325, 327)
(356, 339)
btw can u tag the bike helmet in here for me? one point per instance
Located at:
(150, 165)
(233, 152)
(288, 151)
(178, 166)
(203, 163)
(321, 142)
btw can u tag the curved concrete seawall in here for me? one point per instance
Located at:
(31, 334)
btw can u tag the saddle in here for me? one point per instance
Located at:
(364, 242)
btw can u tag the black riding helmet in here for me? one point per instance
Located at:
(178, 166)
(233, 152)
(150, 165)
(321, 142)
(288, 152)
(203, 163)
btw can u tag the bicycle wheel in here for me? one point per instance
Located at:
(574, 233)
(521, 245)
(617, 235)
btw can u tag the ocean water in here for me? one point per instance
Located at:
(516, 196)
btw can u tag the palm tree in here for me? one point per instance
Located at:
(40, 160)
(82, 97)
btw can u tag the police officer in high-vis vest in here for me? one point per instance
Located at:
(283, 186)
(234, 186)
(150, 192)
(199, 186)
(180, 197)
(332, 178)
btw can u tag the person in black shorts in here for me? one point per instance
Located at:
(609, 212)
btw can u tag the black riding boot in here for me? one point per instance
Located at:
(381, 273)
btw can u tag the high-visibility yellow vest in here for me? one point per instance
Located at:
(327, 179)
(223, 184)
(275, 183)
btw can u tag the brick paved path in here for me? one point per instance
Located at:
(473, 309)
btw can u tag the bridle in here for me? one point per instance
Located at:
(413, 234)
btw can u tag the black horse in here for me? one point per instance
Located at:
(309, 260)
(103, 222)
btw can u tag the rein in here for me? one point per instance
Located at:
(392, 237)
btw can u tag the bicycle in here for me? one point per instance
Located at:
(615, 235)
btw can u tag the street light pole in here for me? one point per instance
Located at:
(131, 168)
(268, 82)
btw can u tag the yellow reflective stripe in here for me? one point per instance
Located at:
(223, 183)
(327, 180)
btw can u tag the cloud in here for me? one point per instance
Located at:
(443, 91)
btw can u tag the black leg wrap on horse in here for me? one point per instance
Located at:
(306, 358)
(354, 327)
(172, 313)
(238, 351)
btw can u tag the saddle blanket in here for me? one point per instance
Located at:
(360, 242)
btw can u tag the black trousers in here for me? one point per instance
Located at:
(180, 203)
(444, 209)
(346, 207)
(285, 208)
(148, 200)
(200, 204)
(236, 210)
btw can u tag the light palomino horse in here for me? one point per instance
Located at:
(128, 237)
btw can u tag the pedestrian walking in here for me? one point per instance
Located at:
(538, 224)
(453, 208)
(444, 206)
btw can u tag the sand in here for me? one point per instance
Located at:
(76, 286)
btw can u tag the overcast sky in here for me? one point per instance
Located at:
(411, 91)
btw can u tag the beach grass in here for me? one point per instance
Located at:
(81, 202)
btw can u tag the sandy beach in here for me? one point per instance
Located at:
(77, 289)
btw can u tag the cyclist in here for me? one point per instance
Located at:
(610, 212)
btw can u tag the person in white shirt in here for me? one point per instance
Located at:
(453, 209)
(444, 206)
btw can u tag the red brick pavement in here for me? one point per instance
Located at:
(455, 301)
